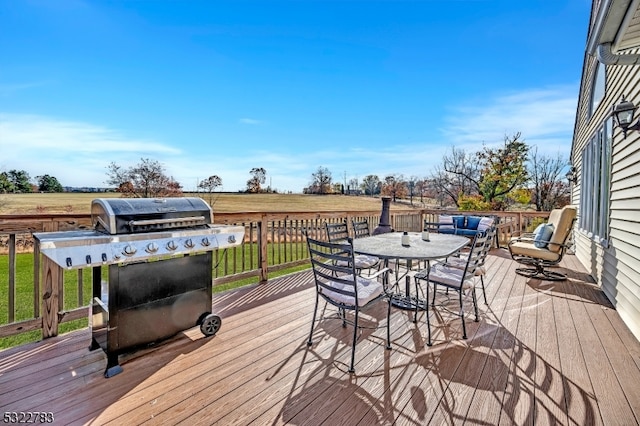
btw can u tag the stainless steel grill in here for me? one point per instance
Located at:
(158, 252)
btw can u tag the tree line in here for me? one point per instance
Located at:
(19, 181)
(490, 179)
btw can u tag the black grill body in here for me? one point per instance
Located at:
(159, 258)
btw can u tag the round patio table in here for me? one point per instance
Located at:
(388, 246)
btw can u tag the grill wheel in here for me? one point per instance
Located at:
(210, 325)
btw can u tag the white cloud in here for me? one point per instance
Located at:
(77, 153)
(25, 133)
(545, 117)
(250, 121)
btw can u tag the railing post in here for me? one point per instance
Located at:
(262, 256)
(12, 277)
(52, 282)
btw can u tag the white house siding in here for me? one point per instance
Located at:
(615, 265)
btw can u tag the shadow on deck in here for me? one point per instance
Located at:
(542, 353)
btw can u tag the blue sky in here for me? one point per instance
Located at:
(220, 87)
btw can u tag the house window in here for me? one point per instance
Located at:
(597, 87)
(596, 183)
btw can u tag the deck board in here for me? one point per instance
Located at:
(542, 353)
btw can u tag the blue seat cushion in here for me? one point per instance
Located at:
(459, 221)
(466, 232)
(473, 222)
(542, 235)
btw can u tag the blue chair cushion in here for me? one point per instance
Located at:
(466, 232)
(542, 235)
(473, 222)
(459, 221)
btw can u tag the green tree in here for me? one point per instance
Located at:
(495, 174)
(48, 183)
(6, 186)
(504, 170)
(20, 180)
(145, 179)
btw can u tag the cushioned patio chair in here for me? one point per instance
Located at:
(338, 284)
(452, 278)
(339, 233)
(545, 247)
(480, 271)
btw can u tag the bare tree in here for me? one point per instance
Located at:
(210, 184)
(394, 186)
(353, 186)
(457, 176)
(145, 179)
(320, 181)
(258, 178)
(549, 190)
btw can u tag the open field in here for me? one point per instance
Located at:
(47, 203)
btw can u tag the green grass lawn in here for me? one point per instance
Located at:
(225, 263)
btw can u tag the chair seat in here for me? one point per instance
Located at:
(449, 276)
(362, 261)
(368, 290)
(461, 263)
(527, 248)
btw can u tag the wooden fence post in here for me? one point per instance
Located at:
(52, 282)
(12, 277)
(263, 258)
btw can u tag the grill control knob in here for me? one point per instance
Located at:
(189, 243)
(206, 242)
(129, 250)
(171, 245)
(151, 248)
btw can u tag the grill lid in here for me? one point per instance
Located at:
(137, 215)
(139, 229)
(80, 249)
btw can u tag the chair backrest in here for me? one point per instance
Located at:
(360, 228)
(480, 246)
(489, 234)
(562, 221)
(337, 232)
(334, 270)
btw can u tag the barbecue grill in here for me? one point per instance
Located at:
(159, 258)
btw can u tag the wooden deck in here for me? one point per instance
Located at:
(542, 353)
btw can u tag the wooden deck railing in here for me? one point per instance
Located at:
(273, 241)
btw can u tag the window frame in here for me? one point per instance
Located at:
(595, 185)
(598, 87)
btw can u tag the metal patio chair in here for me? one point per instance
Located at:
(460, 280)
(337, 282)
(339, 233)
(480, 271)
